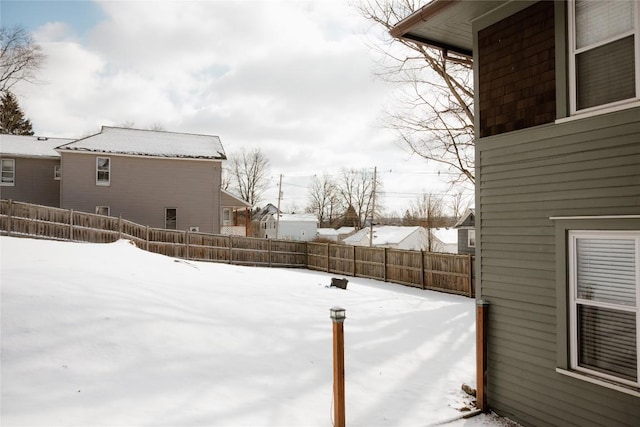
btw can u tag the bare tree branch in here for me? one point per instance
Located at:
(20, 57)
(433, 112)
(248, 172)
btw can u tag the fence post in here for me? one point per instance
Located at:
(482, 317)
(384, 263)
(147, 238)
(328, 258)
(186, 239)
(269, 251)
(306, 255)
(470, 277)
(120, 227)
(230, 249)
(9, 215)
(354, 261)
(71, 225)
(422, 269)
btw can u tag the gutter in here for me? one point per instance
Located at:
(422, 15)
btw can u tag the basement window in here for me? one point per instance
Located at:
(103, 210)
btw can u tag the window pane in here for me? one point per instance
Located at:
(606, 270)
(103, 164)
(171, 219)
(597, 21)
(607, 341)
(7, 170)
(606, 74)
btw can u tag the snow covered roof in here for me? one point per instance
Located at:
(327, 232)
(383, 235)
(298, 218)
(229, 199)
(346, 230)
(31, 146)
(446, 235)
(470, 212)
(151, 143)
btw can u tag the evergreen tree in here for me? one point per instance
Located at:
(12, 120)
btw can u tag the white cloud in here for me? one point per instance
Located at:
(293, 78)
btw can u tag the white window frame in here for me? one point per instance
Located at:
(106, 182)
(471, 238)
(573, 52)
(57, 172)
(99, 208)
(574, 300)
(166, 210)
(7, 183)
(227, 216)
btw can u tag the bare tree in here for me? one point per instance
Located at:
(458, 204)
(433, 114)
(428, 211)
(323, 199)
(248, 173)
(356, 190)
(20, 57)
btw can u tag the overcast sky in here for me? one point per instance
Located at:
(295, 79)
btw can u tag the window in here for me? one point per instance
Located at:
(226, 216)
(471, 238)
(103, 171)
(103, 210)
(171, 218)
(604, 279)
(604, 53)
(8, 172)
(57, 172)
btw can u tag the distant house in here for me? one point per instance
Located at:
(328, 234)
(466, 227)
(344, 232)
(161, 179)
(301, 227)
(557, 210)
(444, 240)
(392, 236)
(31, 169)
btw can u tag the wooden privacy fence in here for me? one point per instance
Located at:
(425, 270)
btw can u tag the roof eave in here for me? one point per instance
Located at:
(404, 29)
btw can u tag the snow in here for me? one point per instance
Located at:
(30, 146)
(383, 235)
(298, 218)
(150, 143)
(111, 335)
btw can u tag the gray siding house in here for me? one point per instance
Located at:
(557, 122)
(161, 179)
(466, 227)
(30, 169)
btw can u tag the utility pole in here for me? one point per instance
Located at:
(373, 205)
(278, 213)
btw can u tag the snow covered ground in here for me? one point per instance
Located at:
(110, 335)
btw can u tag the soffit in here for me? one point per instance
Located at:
(445, 24)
